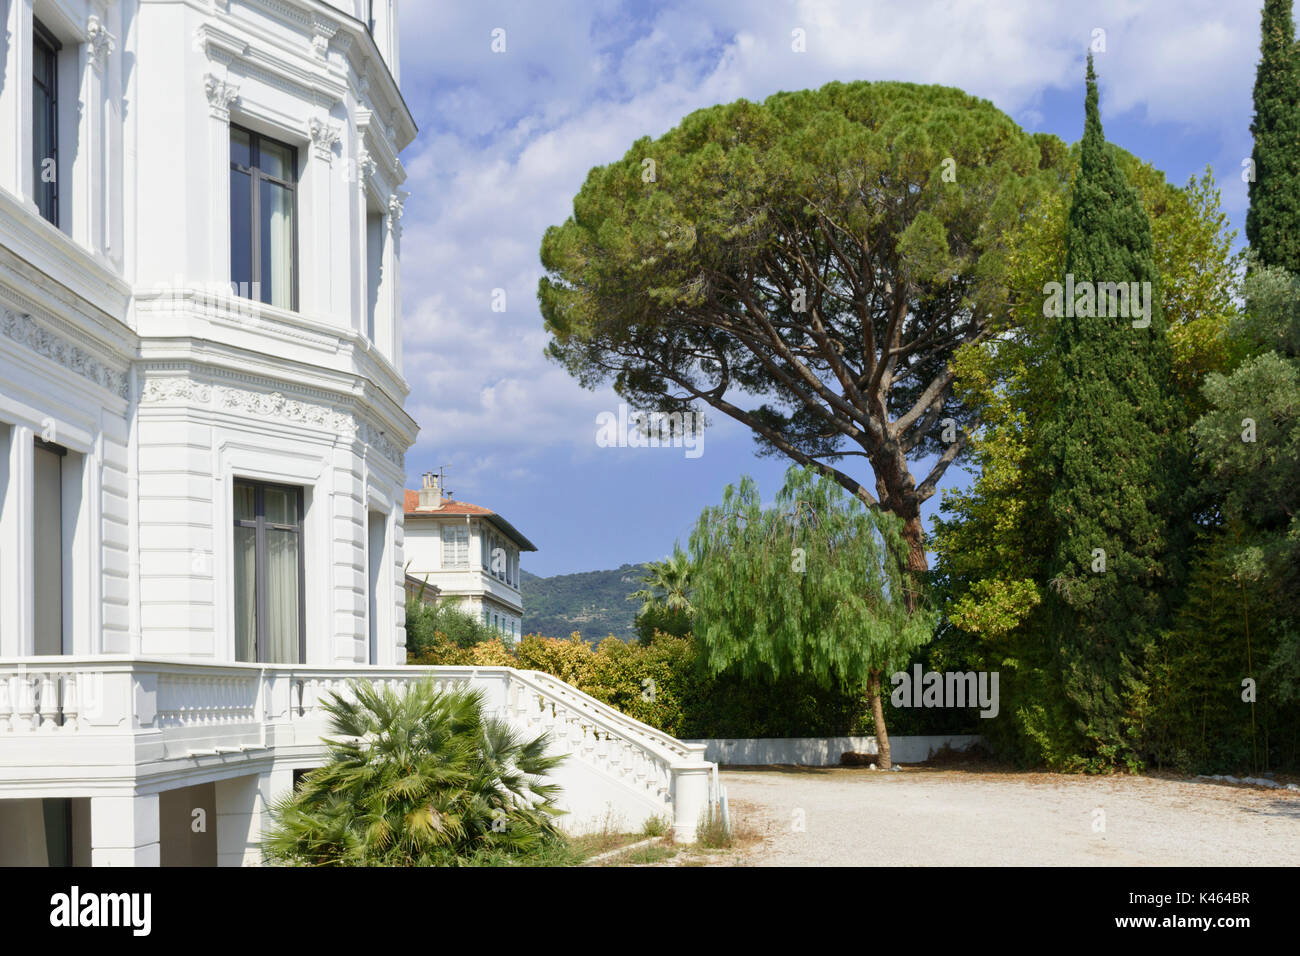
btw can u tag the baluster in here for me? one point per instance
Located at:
(7, 708)
(71, 702)
(25, 705)
(49, 702)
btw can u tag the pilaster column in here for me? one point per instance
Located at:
(221, 96)
(238, 826)
(365, 169)
(125, 830)
(243, 814)
(93, 192)
(391, 290)
(16, 103)
(320, 291)
(17, 547)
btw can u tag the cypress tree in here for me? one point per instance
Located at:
(1273, 220)
(1117, 448)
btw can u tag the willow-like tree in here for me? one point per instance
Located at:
(806, 266)
(1273, 220)
(815, 586)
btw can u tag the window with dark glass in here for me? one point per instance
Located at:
(45, 121)
(268, 573)
(263, 219)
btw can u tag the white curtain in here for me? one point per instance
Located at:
(277, 207)
(47, 500)
(282, 596)
(455, 547)
(245, 593)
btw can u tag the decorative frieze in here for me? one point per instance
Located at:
(172, 391)
(24, 330)
(378, 440)
(275, 405)
(183, 390)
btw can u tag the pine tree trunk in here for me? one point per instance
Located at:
(914, 536)
(878, 718)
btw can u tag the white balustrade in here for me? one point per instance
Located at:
(186, 701)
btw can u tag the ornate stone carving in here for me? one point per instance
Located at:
(275, 405)
(395, 203)
(323, 31)
(324, 136)
(99, 42)
(377, 440)
(172, 389)
(24, 330)
(221, 96)
(365, 166)
(169, 391)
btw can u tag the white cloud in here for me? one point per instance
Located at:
(508, 139)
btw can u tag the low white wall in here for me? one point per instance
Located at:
(823, 751)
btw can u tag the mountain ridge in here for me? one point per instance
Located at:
(594, 603)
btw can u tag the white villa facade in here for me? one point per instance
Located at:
(202, 433)
(469, 553)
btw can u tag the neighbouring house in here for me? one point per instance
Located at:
(469, 553)
(202, 434)
(418, 589)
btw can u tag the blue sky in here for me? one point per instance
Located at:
(506, 139)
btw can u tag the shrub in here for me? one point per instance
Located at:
(664, 684)
(417, 778)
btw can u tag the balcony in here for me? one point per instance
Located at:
(71, 724)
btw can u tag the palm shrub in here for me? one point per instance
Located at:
(418, 777)
(665, 599)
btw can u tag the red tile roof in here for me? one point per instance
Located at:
(452, 507)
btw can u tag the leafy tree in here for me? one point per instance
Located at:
(1116, 444)
(1249, 444)
(1108, 449)
(666, 597)
(443, 623)
(815, 586)
(1273, 220)
(1222, 634)
(991, 554)
(807, 266)
(418, 777)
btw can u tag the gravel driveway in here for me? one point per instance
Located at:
(918, 817)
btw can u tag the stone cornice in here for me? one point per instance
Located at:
(353, 41)
(276, 68)
(182, 383)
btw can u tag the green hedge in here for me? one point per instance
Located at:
(665, 684)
